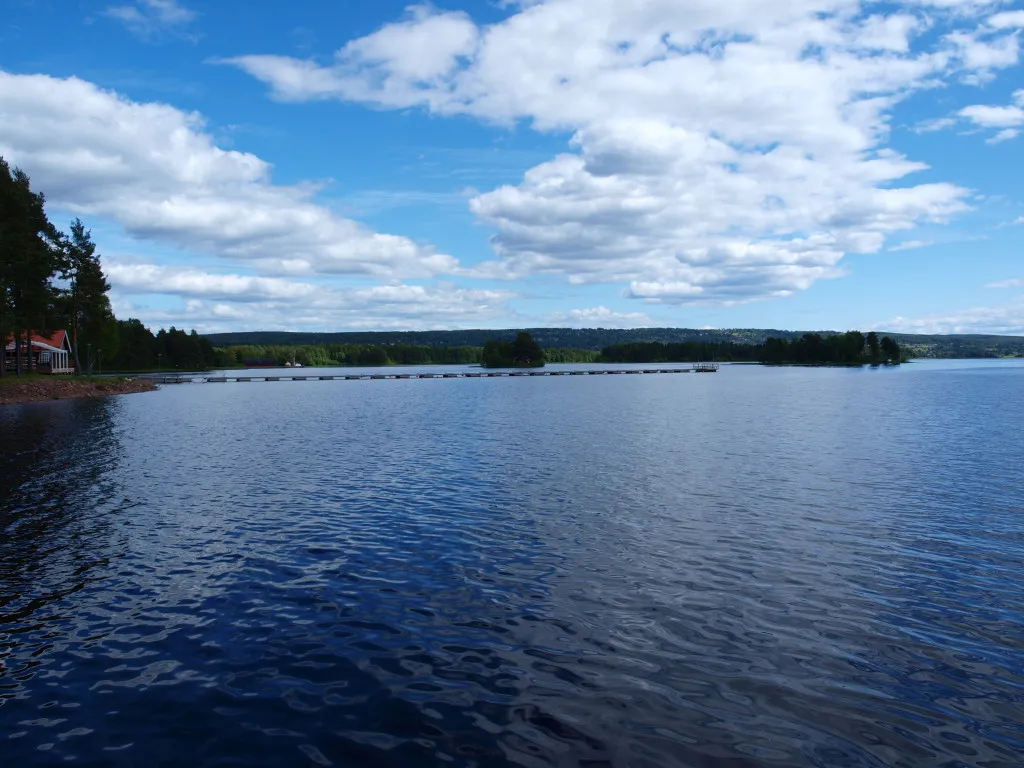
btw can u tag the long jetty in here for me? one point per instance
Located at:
(199, 378)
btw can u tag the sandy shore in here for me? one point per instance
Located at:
(56, 388)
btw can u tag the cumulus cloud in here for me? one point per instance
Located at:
(157, 172)
(600, 317)
(417, 53)
(220, 301)
(1008, 320)
(1013, 283)
(149, 18)
(721, 151)
(1007, 20)
(190, 282)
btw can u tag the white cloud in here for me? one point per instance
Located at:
(600, 317)
(993, 117)
(934, 124)
(153, 169)
(1013, 283)
(1008, 118)
(217, 301)
(425, 47)
(980, 52)
(185, 281)
(911, 244)
(889, 33)
(722, 151)
(1004, 135)
(1006, 320)
(417, 53)
(1007, 19)
(147, 18)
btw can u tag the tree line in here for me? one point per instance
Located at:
(596, 339)
(372, 355)
(850, 348)
(51, 280)
(812, 349)
(680, 352)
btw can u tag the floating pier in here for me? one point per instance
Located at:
(201, 378)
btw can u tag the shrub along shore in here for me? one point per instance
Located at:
(30, 389)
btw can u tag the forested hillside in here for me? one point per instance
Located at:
(916, 345)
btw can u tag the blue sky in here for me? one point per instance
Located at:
(619, 163)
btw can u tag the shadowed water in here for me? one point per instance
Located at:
(778, 567)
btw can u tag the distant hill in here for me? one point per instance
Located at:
(574, 338)
(962, 345)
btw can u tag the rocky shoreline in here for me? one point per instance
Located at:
(56, 388)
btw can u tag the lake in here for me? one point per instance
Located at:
(761, 567)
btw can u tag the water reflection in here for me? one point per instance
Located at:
(642, 571)
(59, 498)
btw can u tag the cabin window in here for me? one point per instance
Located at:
(45, 357)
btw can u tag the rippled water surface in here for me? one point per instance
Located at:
(778, 567)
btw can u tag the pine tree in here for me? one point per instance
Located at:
(28, 259)
(86, 305)
(874, 351)
(7, 218)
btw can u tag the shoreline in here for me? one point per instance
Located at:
(36, 389)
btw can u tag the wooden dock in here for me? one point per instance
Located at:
(201, 378)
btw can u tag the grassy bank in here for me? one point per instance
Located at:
(38, 387)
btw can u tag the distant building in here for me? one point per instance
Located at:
(50, 354)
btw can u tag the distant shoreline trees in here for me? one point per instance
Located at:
(680, 352)
(850, 348)
(524, 352)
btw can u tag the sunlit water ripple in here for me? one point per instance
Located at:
(763, 567)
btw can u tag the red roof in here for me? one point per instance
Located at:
(56, 339)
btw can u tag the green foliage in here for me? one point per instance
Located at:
(345, 354)
(29, 259)
(890, 350)
(84, 304)
(680, 352)
(564, 355)
(136, 349)
(850, 348)
(524, 352)
(594, 339)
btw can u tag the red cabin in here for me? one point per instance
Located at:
(50, 354)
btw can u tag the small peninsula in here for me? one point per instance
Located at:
(524, 352)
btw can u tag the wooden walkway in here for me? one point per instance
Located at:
(199, 378)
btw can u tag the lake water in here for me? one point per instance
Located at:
(761, 567)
